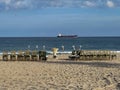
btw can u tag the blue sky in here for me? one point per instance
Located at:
(41, 18)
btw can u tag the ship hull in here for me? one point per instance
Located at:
(67, 36)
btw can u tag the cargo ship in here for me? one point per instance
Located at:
(67, 36)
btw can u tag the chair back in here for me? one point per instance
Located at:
(13, 52)
(34, 52)
(5, 53)
(27, 52)
(42, 53)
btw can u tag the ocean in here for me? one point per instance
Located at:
(47, 43)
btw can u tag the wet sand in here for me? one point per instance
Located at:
(57, 74)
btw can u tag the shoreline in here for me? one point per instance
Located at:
(64, 52)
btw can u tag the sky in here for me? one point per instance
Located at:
(48, 18)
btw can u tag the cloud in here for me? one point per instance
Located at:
(29, 4)
(89, 4)
(22, 4)
(110, 4)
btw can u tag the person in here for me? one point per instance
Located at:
(62, 47)
(55, 50)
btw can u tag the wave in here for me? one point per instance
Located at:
(62, 52)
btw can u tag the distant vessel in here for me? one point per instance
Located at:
(67, 36)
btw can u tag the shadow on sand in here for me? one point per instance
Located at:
(106, 64)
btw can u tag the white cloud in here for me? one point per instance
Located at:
(110, 4)
(21, 4)
(89, 4)
(27, 4)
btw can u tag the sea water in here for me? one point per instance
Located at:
(47, 43)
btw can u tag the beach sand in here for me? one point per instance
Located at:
(60, 74)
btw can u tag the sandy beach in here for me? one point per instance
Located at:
(57, 74)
